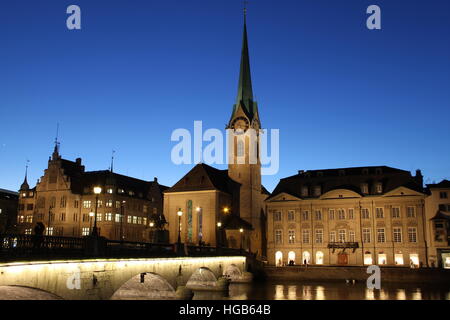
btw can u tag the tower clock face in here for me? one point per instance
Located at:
(240, 123)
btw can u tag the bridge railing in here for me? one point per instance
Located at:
(31, 247)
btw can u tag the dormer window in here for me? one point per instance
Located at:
(364, 188)
(304, 191)
(317, 191)
(379, 187)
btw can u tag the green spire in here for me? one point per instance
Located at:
(245, 91)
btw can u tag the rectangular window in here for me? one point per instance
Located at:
(76, 203)
(29, 219)
(118, 217)
(85, 217)
(351, 235)
(29, 206)
(379, 213)
(139, 220)
(110, 191)
(397, 235)
(365, 213)
(144, 221)
(412, 234)
(62, 217)
(99, 217)
(87, 204)
(342, 234)
(277, 216)
(351, 213)
(319, 236)
(395, 212)
(291, 236)
(85, 232)
(49, 231)
(129, 219)
(366, 235)
(364, 188)
(27, 231)
(63, 202)
(304, 191)
(318, 215)
(331, 214)
(278, 237)
(305, 236)
(145, 209)
(317, 191)
(333, 236)
(443, 195)
(99, 203)
(306, 215)
(381, 237)
(379, 188)
(134, 219)
(75, 217)
(109, 203)
(291, 215)
(108, 216)
(341, 214)
(411, 212)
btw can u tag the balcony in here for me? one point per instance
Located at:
(343, 245)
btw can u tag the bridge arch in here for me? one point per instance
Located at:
(11, 292)
(202, 278)
(145, 286)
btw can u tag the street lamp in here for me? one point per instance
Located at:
(91, 214)
(226, 210)
(219, 234)
(97, 191)
(179, 213)
(241, 231)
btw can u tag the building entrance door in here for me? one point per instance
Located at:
(342, 258)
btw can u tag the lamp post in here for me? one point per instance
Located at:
(49, 219)
(241, 231)
(219, 234)
(91, 214)
(97, 191)
(179, 213)
(122, 216)
(152, 231)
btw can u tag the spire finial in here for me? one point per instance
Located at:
(56, 150)
(25, 185)
(245, 10)
(112, 160)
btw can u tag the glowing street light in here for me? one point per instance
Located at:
(179, 213)
(91, 214)
(97, 191)
(241, 230)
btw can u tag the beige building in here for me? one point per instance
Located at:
(437, 207)
(64, 201)
(349, 216)
(225, 207)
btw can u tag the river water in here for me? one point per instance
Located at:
(297, 290)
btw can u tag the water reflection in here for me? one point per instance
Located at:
(296, 290)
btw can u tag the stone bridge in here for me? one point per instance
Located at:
(95, 279)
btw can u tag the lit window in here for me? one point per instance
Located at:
(121, 191)
(319, 257)
(368, 258)
(27, 231)
(144, 221)
(317, 191)
(139, 220)
(109, 203)
(398, 259)
(304, 191)
(29, 219)
(382, 258)
(397, 235)
(395, 212)
(129, 219)
(108, 216)
(145, 209)
(118, 217)
(99, 217)
(110, 190)
(364, 188)
(379, 187)
(85, 232)
(49, 231)
(414, 259)
(87, 204)
(100, 203)
(291, 236)
(134, 219)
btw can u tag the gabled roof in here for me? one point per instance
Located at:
(205, 177)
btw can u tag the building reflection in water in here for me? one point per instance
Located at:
(320, 293)
(417, 295)
(292, 293)
(401, 294)
(279, 292)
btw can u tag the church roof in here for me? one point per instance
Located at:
(442, 184)
(205, 177)
(347, 178)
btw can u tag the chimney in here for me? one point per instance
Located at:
(419, 178)
(78, 161)
(155, 179)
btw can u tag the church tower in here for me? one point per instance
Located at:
(243, 148)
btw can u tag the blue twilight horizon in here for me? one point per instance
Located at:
(341, 95)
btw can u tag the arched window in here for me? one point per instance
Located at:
(319, 257)
(368, 258)
(240, 148)
(279, 259)
(306, 257)
(291, 258)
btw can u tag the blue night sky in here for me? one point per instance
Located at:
(340, 94)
